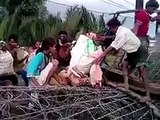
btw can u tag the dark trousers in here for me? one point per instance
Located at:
(24, 77)
(13, 78)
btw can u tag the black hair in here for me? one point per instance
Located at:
(14, 37)
(36, 41)
(46, 43)
(114, 22)
(63, 32)
(34, 44)
(152, 3)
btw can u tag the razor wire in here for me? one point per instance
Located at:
(72, 103)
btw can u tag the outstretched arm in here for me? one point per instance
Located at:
(136, 26)
(103, 55)
(119, 41)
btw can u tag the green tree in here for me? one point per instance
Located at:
(23, 13)
(31, 21)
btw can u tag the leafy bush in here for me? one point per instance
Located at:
(31, 20)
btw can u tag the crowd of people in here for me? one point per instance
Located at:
(52, 59)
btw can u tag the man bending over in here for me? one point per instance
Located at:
(136, 54)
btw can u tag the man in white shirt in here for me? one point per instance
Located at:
(136, 54)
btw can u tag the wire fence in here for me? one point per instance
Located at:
(70, 103)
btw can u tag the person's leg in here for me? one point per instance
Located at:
(132, 61)
(142, 65)
(125, 65)
(14, 79)
(128, 64)
(131, 74)
(121, 56)
(24, 76)
(143, 75)
(33, 95)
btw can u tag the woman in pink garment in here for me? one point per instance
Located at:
(32, 50)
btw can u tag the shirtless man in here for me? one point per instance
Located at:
(12, 47)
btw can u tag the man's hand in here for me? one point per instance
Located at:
(100, 38)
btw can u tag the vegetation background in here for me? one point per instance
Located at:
(31, 20)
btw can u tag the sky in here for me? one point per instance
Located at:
(104, 6)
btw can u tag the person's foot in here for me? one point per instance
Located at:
(145, 99)
(96, 86)
(140, 79)
(126, 85)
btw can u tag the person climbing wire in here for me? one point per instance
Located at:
(136, 54)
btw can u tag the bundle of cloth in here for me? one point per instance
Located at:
(82, 69)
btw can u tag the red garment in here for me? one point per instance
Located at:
(64, 52)
(143, 17)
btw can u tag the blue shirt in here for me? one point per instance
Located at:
(36, 65)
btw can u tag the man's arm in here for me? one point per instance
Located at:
(155, 18)
(103, 55)
(103, 38)
(119, 41)
(136, 26)
(110, 37)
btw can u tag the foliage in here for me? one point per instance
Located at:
(3, 13)
(23, 13)
(101, 24)
(31, 21)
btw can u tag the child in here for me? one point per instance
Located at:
(136, 54)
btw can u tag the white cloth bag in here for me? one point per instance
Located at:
(83, 60)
